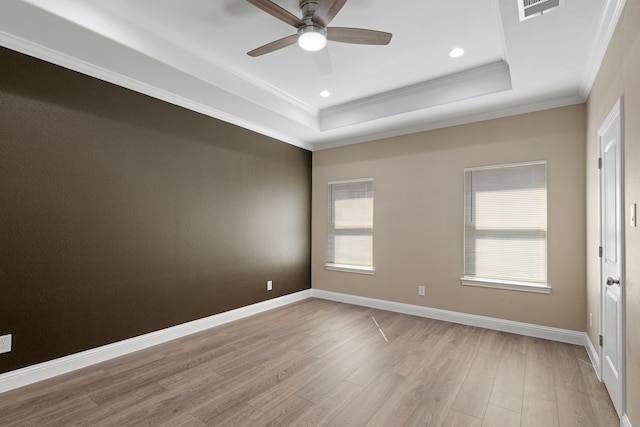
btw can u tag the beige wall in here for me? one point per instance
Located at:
(418, 215)
(619, 76)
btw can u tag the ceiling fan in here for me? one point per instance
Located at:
(313, 32)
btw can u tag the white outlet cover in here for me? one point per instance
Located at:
(5, 343)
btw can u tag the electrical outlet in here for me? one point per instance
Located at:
(269, 285)
(421, 291)
(5, 343)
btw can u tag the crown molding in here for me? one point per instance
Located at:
(47, 54)
(606, 28)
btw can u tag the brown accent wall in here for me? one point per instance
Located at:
(619, 75)
(418, 215)
(121, 214)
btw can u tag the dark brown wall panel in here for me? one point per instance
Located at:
(121, 214)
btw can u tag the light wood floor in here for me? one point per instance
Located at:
(317, 363)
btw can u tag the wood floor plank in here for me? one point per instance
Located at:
(272, 373)
(332, 374)
(131, 381)
(322, 363)
(443, 391)
(410, 363)
(604, 412)
(369, 371)
(58, 416)
(288, 386)
(405, 406)
(574, 408)
(244, 416)
(336, 340)
(500, 417)
(44, 396)
(473, 397)
(508, 387)
(189, 375)
(121, 405)
(446, 347)
(539, 351)
(539, 382)
(493, 342)
(458, 419)
(334, 402)
(538, 412)
(420, 417)
(285, 412)
(468, 348)
(185, 420)
(364, 406)
(566, 369)
(600, 401)
(162, 406)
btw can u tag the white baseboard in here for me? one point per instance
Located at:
(63, 365)
(31, 374)
(624, 422)
(528, 329)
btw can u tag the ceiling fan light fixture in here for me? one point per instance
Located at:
(312, 38)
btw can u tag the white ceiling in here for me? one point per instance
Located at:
(193, 53)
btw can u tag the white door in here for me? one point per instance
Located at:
(612, 268)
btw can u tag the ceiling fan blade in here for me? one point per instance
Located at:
(326, 11)
(270, 47)
(278, 12)
(358, 36)
(323, 61)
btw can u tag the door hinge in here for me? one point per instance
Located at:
(601, 340)
(600, 251)
(599, 162)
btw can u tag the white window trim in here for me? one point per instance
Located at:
(350, 268)
(347, 181)
(512, 285)
(540, 288)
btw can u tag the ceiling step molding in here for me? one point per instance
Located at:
(478, 81)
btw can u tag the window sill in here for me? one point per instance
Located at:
(506, 284)
(350, 268)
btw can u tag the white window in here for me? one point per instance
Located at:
(505, 227)
(350, 246)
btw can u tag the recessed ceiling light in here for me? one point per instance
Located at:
(456, 53)
(325, 94)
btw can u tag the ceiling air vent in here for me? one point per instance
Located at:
(530, 8)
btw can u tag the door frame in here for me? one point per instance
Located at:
(616, 113)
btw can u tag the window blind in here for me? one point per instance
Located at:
(506, 222)
(351, 223)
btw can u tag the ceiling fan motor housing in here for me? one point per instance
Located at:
(308, 8)
(311, 37)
